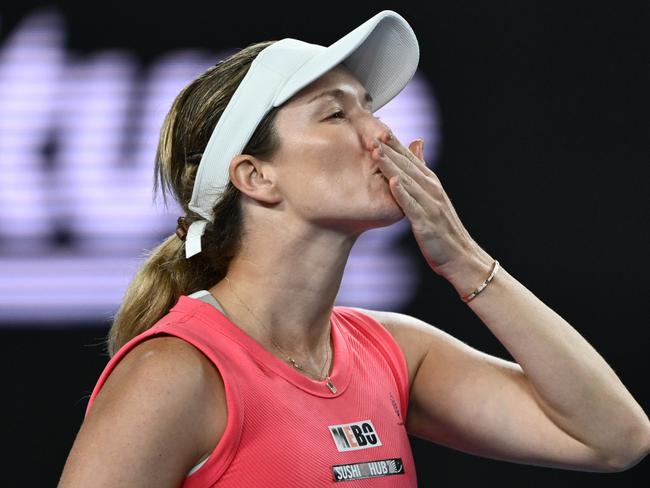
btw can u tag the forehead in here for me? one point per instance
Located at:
(338, 77)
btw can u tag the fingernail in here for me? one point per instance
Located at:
(421, 146)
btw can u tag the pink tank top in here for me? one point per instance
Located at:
(287, 430)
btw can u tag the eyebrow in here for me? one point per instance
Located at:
(338, 93)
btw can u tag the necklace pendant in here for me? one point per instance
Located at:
(330, 385)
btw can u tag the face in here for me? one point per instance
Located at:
(324, 171)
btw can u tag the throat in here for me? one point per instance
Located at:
(312, 368)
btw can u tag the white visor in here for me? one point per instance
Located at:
(383, 54)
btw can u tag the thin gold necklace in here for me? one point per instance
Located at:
(329, 383)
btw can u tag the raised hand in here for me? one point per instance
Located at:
(441, 236)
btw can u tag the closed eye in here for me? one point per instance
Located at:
(341, 114)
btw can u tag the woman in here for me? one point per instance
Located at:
(231, 366)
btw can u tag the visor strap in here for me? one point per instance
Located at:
(193, 239)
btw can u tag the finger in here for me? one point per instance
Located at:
(403, 161)
(413, 209)
(417, 147)
(420, 173)
(386, 165)
(414, 160)
(390, 139)
(414, 185)
(424, 197)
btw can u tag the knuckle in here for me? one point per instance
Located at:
(410, 163)
(412, 202)
(435, 187)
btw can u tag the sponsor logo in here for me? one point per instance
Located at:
(355, 436)
(370, 469)
(396, 408)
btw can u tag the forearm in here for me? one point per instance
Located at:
(574, 385)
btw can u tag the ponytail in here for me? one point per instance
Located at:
(166, 274)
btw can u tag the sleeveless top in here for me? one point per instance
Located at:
(285, 429)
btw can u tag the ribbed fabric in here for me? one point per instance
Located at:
(278, 430)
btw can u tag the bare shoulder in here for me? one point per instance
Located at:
(159, 412)
(164, 368)
(413, 335)
(166, 357)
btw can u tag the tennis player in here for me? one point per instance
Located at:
(230, 364)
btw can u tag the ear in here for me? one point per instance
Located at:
(254, 177)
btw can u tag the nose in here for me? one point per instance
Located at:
(373, 130)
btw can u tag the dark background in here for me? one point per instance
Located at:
(545, 145)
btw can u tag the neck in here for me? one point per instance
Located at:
(290, 285)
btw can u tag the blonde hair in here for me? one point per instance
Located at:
(166, 274)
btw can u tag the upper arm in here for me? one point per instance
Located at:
(160, 410)
(480, 404)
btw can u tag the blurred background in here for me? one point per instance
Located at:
(534, 116)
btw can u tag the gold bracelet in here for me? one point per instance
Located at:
(472, 295)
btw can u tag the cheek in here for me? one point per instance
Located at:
(323, 166)
(323, 160)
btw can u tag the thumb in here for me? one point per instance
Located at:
(414, 147)
(417, 147)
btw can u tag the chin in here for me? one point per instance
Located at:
(372, 212)
(392, 218)
(388, 208)
(383, 217)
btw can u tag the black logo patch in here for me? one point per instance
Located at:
(370, 469)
